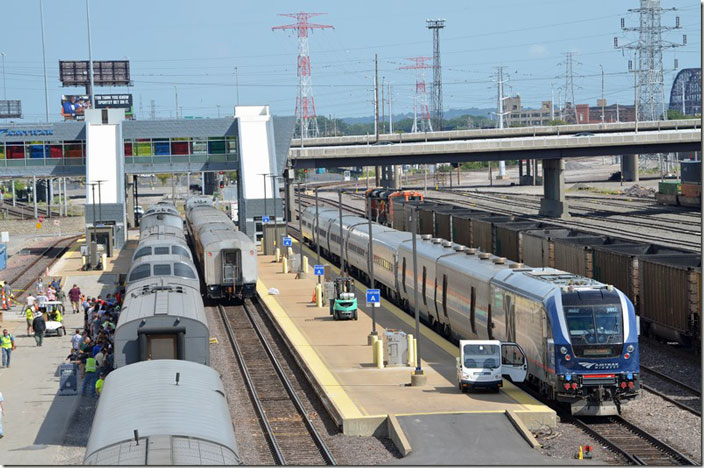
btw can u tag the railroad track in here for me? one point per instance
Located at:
(25, 278)
(289, 430)
(631, 442)
(690, 398)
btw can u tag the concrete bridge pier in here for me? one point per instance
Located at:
(129, 189)
(553, 203)
(629, 167)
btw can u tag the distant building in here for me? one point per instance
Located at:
(520, 117)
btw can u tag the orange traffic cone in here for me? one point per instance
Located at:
(313, 300)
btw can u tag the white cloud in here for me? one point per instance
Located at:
(538, 50)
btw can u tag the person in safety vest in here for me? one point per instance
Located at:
(99, 384)
(29, 315)
(7, 343)
(90, 376)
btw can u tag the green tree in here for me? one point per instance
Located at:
(163, 178)
(673, 114)
(556, 122)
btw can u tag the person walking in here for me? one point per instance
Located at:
(6, 295)
(90, 376)
(7, 343)
(39, 325)
(29, 315)
(76, 340)
(99, 384)
(40, 287)
(74, 295)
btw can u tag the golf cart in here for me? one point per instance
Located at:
(53, 315)
(343, 305)
(484, 364)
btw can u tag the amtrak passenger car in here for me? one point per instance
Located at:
(580, 336)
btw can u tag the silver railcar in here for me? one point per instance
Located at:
(162, 245)
(163, 412)
(149, 269)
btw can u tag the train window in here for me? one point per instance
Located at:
(183, 270)
(161, 251)
(139, 273)
(403, 274)
(178, 250)
(425, 299)
(163, 269)
(444, 295)
(142, 252)
(472, 307)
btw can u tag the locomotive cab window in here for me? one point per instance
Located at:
(184, 271)
(161, 250)
(142, 252)
(162, 269)
(595, 325)
(178, 250)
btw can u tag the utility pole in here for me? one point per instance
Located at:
(420, 101)
(152, 110)
(571, 111)
(376, 98)
(436, 93)
(4, 88)
(237, 87)
(500, 114)
(383, 105)
(602, 93)
(176, 96)
(46, 81)
(91, 95)
(391, 118)
(342, 252)
(371, 261)
(552, 103)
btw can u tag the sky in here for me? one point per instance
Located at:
(191, 49)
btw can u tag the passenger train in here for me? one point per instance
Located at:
(162, 354)
(580, 336)
(226, 256)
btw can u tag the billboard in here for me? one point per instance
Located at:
(105, 72)
(10, 109)
(113, 101)
(73, 106)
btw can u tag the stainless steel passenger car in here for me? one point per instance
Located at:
(152, 268)
(162, 215)
(162, 318)
(162, 245)
(164, 412)
(227, 257)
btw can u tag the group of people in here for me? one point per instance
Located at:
(36, 323)
(92, 347)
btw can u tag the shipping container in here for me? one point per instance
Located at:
(617, 264)
(669, 187)
(670, 296)
(508, 238)
(691, 190)
(691, 172)
(483, 229)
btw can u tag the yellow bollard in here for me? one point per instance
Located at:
(305, 264)
(411, 351)
(289, 252)
(84, 259)
(319, 295)
(378, 349)
(277, 255)
(580, 455)
(105, 262)
(284, 265)
(415, 352)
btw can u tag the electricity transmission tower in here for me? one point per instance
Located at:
(420, 99)
(436, 91)
(305, 104)
(650, 86)
(570, 109)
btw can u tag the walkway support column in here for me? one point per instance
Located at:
(553, 203)
(129, 188)
(629, 167)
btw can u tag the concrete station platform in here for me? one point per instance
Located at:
(365, 400)
(40, 426)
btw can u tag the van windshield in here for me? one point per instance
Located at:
(484, 356)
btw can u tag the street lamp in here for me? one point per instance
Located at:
(417, 378)
(4, 89)
(301, 273)
(371, 262)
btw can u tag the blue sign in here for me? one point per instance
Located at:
(265, 219)
(373, 297)
(319, 270)
(288, 242)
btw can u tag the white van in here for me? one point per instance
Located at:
(484, 364)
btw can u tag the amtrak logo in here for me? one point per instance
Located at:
(599, 365)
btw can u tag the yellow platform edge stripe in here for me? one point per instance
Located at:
(511, 390)
(332, 388)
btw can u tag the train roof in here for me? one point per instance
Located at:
(198, 200)
(162, 266)
(184, 423)
(203, 214)
(160, 218)
(540, 282)
(162, 298)
(162, 231)
(155, 247)
(217, 239)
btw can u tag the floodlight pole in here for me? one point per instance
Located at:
(264, 212)
(46, 82)
(419, 368)
(90, 60)
(342, 253)
(273, 198)
(300, 229)
(317, 233)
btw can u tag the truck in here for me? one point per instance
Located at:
(483, 364)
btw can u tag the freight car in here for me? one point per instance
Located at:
(227, 257)
(163, 412)
(580, 335)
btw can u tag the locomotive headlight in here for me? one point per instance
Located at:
(630, 348)
(563, 350)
